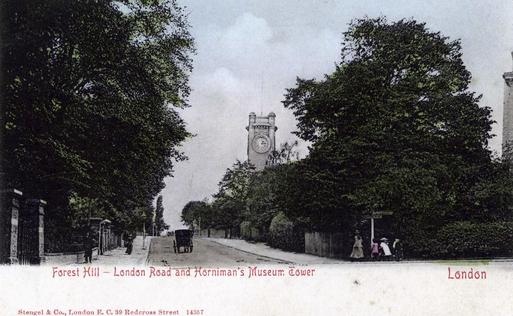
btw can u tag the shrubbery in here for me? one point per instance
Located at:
(465, 239)
(249, 232)
(245, 230)
(284, 234)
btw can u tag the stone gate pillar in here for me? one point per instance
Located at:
(9, 219)
(33, 225)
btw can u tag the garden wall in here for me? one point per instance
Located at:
(63, 258)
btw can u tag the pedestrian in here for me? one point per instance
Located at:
(374, 249)
(129, 244)
(398, 249)
(88, 248)
(387, 254)
(357, 252)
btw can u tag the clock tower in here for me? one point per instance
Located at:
(261, 138)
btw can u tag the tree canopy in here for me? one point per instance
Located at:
(90, 92)
(230, 201)
(195, 214)
(394, 128)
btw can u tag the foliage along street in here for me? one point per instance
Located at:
(394, 130)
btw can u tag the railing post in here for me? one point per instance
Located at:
(33, 219)
(9, 223)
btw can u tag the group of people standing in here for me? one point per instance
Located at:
(379, 249)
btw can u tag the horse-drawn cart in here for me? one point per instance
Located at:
(183, 238)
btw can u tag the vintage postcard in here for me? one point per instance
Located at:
(292, 157)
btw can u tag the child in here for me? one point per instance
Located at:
(387, 254)
(374, 249)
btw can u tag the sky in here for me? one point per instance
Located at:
(250, 52)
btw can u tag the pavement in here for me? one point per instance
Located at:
(118, 257)
(265, 251)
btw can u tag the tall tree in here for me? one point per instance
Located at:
(196, 214)
(267, 196)
(231, 200)
(160, 224)
(394, 128)
(91, 90)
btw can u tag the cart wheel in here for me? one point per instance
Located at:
(190, 249)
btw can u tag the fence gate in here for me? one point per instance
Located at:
(26, 241)
(31, 232)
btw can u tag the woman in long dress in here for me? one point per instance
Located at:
(357, 252)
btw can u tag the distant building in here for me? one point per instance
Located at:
(261, 138)
(507, 127)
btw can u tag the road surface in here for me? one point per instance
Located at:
(205, 253)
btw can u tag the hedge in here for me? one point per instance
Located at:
(467, 239)
(251, 233)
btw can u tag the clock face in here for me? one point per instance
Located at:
(261, 144)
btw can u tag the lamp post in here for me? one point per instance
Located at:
(377, 215)
(372, 229)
